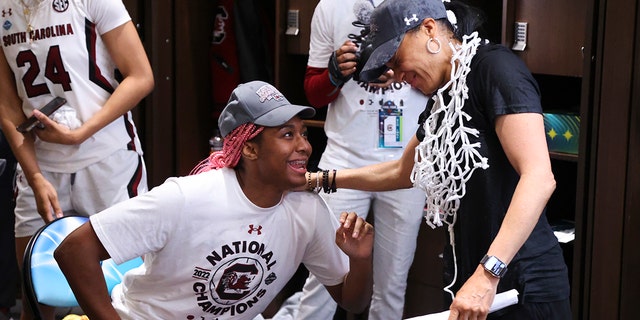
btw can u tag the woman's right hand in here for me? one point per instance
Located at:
(346, 58)
(384, 81)
(46, 198)
(355, 236)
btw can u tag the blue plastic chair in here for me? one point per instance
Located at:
(44, 282)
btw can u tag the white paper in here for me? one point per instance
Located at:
(565, 236)
(502, 300)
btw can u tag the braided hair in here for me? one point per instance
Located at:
(231, 151)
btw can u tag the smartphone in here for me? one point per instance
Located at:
(48, 109)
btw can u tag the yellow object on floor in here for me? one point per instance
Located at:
(75, 317)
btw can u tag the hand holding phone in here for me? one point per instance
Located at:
(48, 109)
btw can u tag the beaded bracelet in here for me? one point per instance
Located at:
(308, 175)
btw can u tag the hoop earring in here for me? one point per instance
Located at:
(429, 45)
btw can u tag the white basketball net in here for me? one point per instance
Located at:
(445, 159)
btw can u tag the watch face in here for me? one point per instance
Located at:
(494, 266)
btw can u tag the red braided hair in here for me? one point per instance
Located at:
(231, 151)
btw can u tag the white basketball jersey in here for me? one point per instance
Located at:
(54, 48)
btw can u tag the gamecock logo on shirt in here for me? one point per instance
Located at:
(236, 280)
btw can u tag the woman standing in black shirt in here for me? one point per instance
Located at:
(480, 155)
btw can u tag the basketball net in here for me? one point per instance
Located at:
(445, 159)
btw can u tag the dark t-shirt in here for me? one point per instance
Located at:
(499, 83)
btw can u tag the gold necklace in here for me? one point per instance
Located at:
(28, 10)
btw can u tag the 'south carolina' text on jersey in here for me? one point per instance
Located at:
(37, 34)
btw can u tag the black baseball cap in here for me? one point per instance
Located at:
(389, 23)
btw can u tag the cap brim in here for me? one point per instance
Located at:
(282, 114)
(375, 65)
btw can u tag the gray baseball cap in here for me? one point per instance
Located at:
(389, 23)
(260, 103)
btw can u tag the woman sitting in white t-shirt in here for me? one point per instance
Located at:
(222, 242)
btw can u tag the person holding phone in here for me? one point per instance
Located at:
(88, 156)
(48, 109)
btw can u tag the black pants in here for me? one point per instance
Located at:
(558, 310)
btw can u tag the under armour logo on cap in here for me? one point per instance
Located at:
(408, 21)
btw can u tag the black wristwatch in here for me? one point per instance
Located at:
(494, 266)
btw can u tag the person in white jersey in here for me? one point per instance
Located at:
(366, 123)
(222, 242)
(87, 157)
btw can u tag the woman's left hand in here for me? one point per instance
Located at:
(475, 297)
(54, 132)
(355, 236)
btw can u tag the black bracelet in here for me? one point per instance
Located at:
(333, 182)
(325, 181)
(317, 188)
(335, 74)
